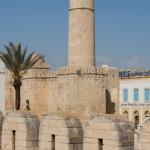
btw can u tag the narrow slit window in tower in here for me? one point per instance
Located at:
(100, 144)
(53, 142)
(13, 139)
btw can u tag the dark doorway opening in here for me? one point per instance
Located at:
(136, 121)
(100, 145)
(13, 139)
(53, 142)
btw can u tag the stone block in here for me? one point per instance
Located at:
(5, 126)
(55, 131)
(112, 143)
(32, 136)
(71, 124)
(131, 134)
(55, 123)
(116, 127)
(77, 140)
(101, 134)
(42, 144)
(143, 137)
(100, 126)
(13, 126)
(85, 146)
(63, 139)
(23, 127)
(107, 147)
(61, 146)
(93, 146)
(88, 133)
(124, 148)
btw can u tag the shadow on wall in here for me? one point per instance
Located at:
(110, 106)
(61, 131)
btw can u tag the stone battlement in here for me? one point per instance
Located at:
(134, 71)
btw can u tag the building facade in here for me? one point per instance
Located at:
(2, 86)
(135, 97)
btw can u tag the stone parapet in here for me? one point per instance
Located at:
(81, 70)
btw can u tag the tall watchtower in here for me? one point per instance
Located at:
(81, 33)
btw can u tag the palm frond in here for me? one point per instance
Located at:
(23, 54)
(27, 61)
(15, 61)
(33, 62)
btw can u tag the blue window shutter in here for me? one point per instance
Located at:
(135, 95)
(146, 94)
(125, 95)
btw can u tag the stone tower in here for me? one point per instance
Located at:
(81, 33)
(80, 88)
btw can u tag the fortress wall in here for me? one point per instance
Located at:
(83, 95)
(60, 131)
(80, 90)
(9, 92)
(112, 81)
(64, 131)
(108, 132)
(36, 88)
(20, 131)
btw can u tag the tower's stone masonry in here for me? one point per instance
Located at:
(84, 91)
(81, 33)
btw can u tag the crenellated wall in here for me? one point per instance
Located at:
(84, 91)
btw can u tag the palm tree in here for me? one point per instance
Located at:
(15, 61)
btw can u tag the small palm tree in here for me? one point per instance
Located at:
(15, 61)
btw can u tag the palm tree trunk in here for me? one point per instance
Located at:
(17, 102)
(17, 85)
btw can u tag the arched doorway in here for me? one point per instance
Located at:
(147, 114)
(136, 114)
(126, 114)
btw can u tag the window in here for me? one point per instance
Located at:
(13, 139)
(146, 94)
(136, 95)
(125, 96)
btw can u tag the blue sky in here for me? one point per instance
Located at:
(122, 30)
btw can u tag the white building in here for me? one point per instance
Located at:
(134, 96)
(2, 86)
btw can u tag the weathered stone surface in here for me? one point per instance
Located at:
(65, 127)
(23, 128)
(114, 130)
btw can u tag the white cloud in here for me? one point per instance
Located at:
(60, 60)
(133, 63)
(104, 59)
